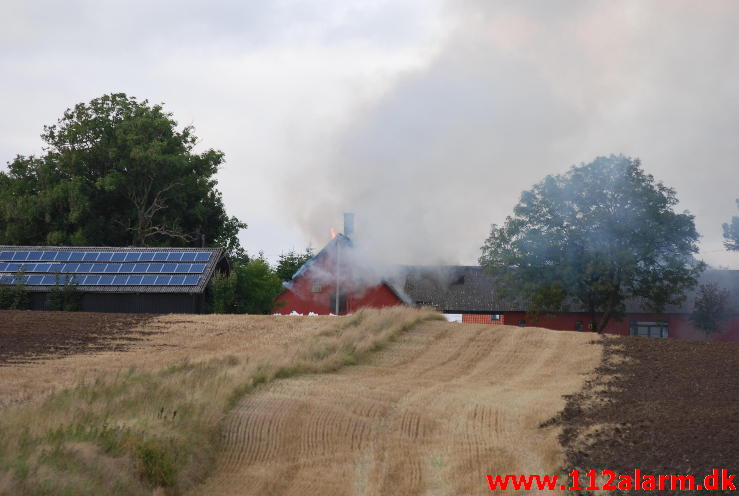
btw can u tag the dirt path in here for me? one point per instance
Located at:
(431, 414)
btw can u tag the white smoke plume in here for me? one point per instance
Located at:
(525, 89)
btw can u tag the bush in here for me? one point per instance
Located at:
(64, 297)
(157, 461)
(251, 287)
(14, 296)
(711, 308)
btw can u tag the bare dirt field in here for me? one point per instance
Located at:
(27, 336)
(431, 414)
(665, 406)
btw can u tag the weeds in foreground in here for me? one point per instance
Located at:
(140, 430)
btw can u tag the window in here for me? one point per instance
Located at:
(316, 286)
(495, 317)
(579, 325)
(521, 323)
(650, 329)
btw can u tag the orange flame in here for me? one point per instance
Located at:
(333, 233)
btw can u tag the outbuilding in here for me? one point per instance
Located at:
(128, 280)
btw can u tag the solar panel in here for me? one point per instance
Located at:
(102, 268)
(146, 257)
(20, 255)
(105, 256)
(160, 256)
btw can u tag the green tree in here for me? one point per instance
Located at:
(711, 308)
(289, 263)
(251, 287)
(13, 294)
(594, 237)
(731, 232)
(116, 172)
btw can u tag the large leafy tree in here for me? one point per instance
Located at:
(592, 238)
(116, 171)
(731, 232)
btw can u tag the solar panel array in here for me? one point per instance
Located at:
(103, 268)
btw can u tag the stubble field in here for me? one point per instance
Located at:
(380, 402)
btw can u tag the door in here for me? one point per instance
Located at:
(332, 303)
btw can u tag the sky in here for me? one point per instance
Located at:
(426, 118)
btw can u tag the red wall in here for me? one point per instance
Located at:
(300, 298)
(679, 324)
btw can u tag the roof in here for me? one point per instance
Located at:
(338, 240)
(453, 289)
(110, 269)
(469, 289)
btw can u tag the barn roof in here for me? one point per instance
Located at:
(469, 289)
(338, 240)
(107, 269)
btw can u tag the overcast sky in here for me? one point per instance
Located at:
(426, 118)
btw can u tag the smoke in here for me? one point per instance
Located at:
(520, 90)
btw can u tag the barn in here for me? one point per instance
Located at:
(469, 294)
(331, 284)
(129, 280)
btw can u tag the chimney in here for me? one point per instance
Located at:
(348, 224)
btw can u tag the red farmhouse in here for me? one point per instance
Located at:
(330, 283)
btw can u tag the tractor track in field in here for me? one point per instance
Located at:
(432, 413)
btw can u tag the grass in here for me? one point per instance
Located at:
(141, 429)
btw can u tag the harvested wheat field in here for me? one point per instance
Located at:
(45, 351)
(432, 413)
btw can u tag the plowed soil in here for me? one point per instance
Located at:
(27, 336)
(668, 407)
(433, 413)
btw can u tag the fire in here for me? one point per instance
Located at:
(333, 233)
